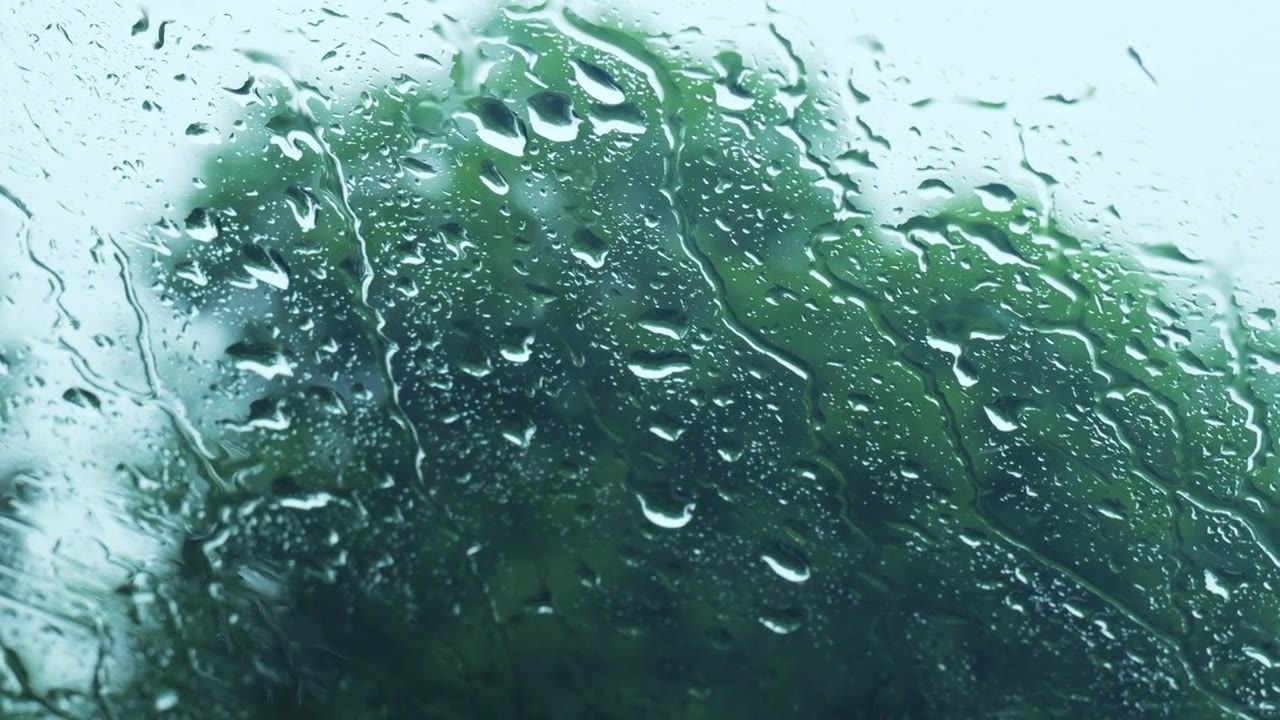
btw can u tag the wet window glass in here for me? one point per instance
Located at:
(628, 360)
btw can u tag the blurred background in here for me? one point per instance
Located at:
(532, 360)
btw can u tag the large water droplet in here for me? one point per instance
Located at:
(551, 115)
(496, 125)
(625, 118)
(597, 83)
(665, 322)
(266, 359)
(200, 225)
(418, 168)
(656, 366)
(787, 566)
(267, 265)
(666, 519)
(493, 178)
(782, 621)
(304, 205)
(996, 197)
(589, 248)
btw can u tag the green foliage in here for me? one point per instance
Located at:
(517, 320)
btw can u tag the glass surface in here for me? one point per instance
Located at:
(632, 360)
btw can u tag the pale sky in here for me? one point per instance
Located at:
(1196, 134)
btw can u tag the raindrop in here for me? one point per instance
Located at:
(201, 134)
(730, 94)
(418, 168)
(597, 83)
(852, 161)
(496, 125)
(200, 225)
(1258, 656)
(668, 520)
(267, 265)
(82, 398)
(782, 621)
(551, 115)
(166, 700)
(268, 360)
(328, 399)
(264, 414)
(1112, 509)
(787, 564)
(304, 205)
(493, 178)
(933, 189)
(999, 421)
(996, 197)
(665, 322)
(667, 431)
(517, 345)
(589, 248)
(191, 271)
(657, 366)
(625, 118)
(1213, 584)
(520, 434)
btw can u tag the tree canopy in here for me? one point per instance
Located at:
(587, 383)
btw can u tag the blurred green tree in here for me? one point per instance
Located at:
(584, 385)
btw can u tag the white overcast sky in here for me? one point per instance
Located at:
(1188, 160)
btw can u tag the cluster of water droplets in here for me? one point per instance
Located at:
(566, 343)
